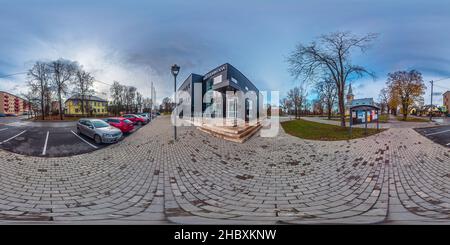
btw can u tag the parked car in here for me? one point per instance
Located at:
(98, 130)
(136, 119)
(146, 115)
(121, 123)
(10, 115)
(2, 115)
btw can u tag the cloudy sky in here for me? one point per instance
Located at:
(135, 42)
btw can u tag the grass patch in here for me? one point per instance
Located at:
(384, 118)
(319, 131)
(412, 119)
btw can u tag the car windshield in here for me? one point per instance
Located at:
(127, 121)
(100, 124)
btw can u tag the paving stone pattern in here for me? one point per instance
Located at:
(396, 176)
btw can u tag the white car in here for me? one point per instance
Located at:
(98, 130)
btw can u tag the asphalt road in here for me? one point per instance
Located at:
(439, 134)
(47, 141)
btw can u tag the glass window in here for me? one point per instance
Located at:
(100, 124)
(231, 108)
(209, 85)
(217, 79)
(234, 80)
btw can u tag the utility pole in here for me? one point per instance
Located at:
(431, 102)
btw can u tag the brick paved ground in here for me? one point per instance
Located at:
(397, 176)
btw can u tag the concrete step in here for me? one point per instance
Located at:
(238, 136)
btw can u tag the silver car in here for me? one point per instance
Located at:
(98, 130)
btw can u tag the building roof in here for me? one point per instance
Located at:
(448, 92)
(13, 95)
(364, 101)
(87, 98)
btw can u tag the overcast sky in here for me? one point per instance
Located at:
(135, 42)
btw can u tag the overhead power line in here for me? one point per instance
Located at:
(442, 79)
(14, 74)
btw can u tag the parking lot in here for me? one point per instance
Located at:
(440, 134)
(46, 139)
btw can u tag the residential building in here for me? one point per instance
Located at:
(93, 106)
(446, 100)
(55, 107)
(12, 104)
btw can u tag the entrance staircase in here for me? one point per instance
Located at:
(237, 134)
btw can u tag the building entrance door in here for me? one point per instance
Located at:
(232, 111)
(248, 107)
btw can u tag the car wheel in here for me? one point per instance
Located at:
(139, 123)
(97, 139)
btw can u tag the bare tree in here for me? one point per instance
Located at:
(129, 95)
(167, 104)
(286, 104)
(38, 82)
(62, 74)
(383, 97)
(139, 102)
(116, 94)
(326, 89)
(331, 56)
(408, 86)
(83, 82)
(297, 96)
(33, 99)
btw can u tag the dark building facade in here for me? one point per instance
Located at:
(222, 79)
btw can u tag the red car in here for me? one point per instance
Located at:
(135, 119)
(121, 123)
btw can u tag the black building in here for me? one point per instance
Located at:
(222, 79)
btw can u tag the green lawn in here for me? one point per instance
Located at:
(319, 131)
(413, 119)
(384, 118)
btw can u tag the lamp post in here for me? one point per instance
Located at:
(175, 69)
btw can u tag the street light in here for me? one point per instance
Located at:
(175, 70)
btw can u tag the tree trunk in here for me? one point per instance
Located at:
(405, 112)
(296, 112)
(329, 112)
(42, 106)
(341, 106)
(82, 106)
(60, 106)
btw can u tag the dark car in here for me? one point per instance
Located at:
(146, 115)
(2, 115)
